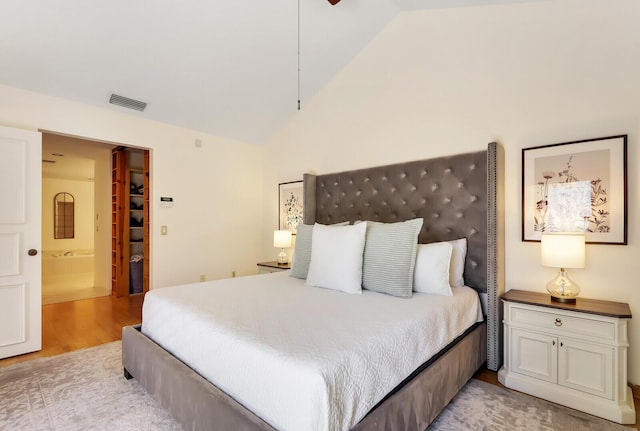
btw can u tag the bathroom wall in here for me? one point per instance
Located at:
(83, 193)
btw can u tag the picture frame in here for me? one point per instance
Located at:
(578, 186)
(290, 205)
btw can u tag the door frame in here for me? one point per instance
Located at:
(105, 223)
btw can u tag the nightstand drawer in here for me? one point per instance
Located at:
(570, 325)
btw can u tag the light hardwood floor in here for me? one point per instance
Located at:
(76, 325)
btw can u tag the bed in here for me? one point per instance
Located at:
(457, 197)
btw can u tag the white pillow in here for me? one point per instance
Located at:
(336, 257)
(431, 274)
(456, 269)
(302, 250)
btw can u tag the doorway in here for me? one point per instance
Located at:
(77, 233)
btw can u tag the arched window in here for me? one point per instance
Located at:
(63, 215)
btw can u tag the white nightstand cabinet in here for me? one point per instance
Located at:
(574, 354)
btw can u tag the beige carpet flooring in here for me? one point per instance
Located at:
(483, 406)
(77, 391)
(85, 390)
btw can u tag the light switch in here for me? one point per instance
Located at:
(166, 202)
(163, 230)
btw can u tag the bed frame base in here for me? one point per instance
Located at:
(196, 404)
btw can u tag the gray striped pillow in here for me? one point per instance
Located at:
(302, 250)
(390, 257)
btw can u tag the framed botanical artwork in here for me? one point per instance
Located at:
(291, 205)
(578, 186)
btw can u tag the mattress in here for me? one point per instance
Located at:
(301, 357)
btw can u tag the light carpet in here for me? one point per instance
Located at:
(85, 390)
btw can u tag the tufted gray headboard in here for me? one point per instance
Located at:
(455, 195)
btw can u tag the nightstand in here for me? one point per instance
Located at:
(267, 267)
(574, 354)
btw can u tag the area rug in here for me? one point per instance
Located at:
(483, 406)
(85, 390)
(77, 391)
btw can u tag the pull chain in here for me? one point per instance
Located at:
(298, 55)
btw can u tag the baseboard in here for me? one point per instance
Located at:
(636, 391)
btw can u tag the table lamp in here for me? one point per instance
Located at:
(282, 239)
(563, 250)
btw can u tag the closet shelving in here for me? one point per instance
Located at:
(130, 221)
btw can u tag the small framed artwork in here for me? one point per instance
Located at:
(578, 186)
(291, 205)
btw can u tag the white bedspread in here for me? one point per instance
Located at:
(303, 358)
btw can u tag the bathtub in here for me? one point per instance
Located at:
(61, 262)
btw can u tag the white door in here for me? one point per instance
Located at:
(20, 241)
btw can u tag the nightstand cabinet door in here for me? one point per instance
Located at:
(586, 367)
(534, 354)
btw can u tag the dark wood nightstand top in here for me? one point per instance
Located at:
(583, 305)
(275, 264)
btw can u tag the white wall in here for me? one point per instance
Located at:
(450, 81)
(82, 192)
(215, 222)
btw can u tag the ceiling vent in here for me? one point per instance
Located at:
(125, 102)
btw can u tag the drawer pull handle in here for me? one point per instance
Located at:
(558, 321)
(553, 342)
(561, 344)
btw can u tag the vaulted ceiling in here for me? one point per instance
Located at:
(226, 68)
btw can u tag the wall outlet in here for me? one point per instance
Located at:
(233, 273)
(203, 277)
(163, 230)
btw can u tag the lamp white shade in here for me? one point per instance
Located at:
(562, 250)
(282, 238)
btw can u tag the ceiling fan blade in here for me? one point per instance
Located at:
(334, 2)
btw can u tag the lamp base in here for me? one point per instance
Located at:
(282, 257)
(565, 300)
(562, 288)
